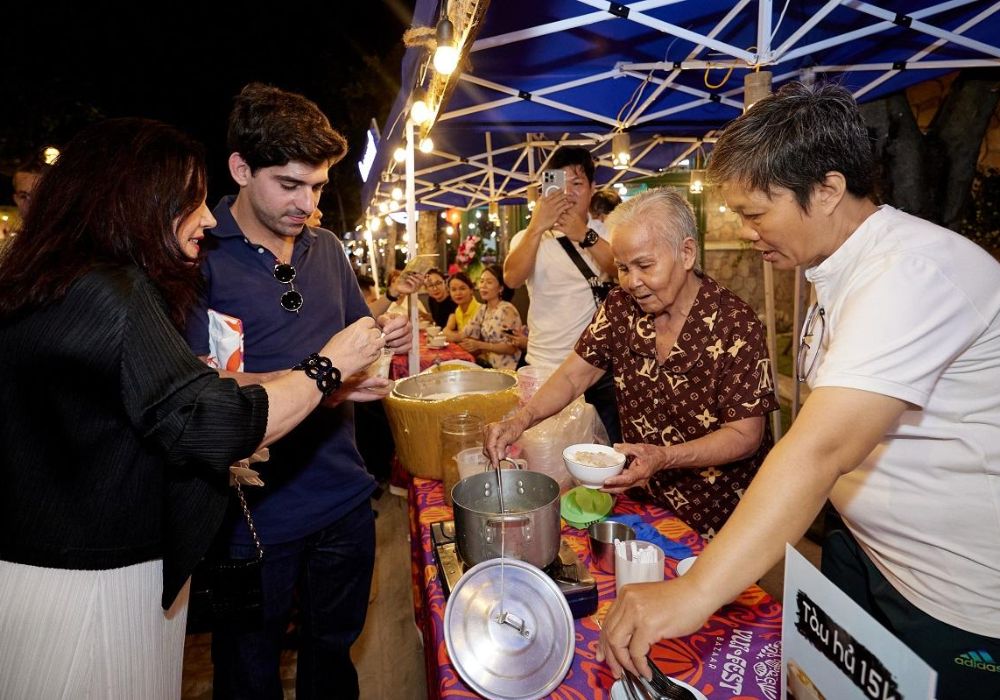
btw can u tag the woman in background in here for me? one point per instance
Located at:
(116, 440)
(439, 303)
(487, 335)
(460, 288)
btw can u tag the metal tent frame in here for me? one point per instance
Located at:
(528, 88)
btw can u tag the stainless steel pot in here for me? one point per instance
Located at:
(528, 530)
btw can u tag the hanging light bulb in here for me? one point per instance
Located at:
(494, 214)
(449, 229)
(696, 186)
(426, 145)
(397, 193)
(420, 111)
(375, 224)
(399, 155)
(383, 206)
(621, 155)
(532, 194)
(446, 54)
(51, 155)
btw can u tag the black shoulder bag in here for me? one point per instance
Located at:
(598, 288)
(226, 593)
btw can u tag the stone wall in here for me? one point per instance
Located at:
(736, 266)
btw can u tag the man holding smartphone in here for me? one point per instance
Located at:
(562, 301)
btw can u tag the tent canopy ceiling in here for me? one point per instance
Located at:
(668, 72)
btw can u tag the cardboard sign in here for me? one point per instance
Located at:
(833, 650)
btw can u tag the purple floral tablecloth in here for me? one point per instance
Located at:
(737, 654)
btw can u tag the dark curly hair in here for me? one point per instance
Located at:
(269, 126)
(114, 197)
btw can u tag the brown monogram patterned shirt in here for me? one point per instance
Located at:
(717, 372)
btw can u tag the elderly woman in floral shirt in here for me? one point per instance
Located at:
(691, 370)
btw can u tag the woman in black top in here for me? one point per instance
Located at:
(115, 441)
(439, 302)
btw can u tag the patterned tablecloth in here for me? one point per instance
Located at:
(400, 367)
(737, 654)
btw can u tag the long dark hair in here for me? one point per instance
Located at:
(506, 293)
(114, 197)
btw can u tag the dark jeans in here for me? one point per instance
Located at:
(957, 656)
(332, 572)
(374, 438)
(602, 397)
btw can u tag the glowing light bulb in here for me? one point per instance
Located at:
(446, 54)
(420, 112)
(397, 193)
(426, 145)
(399, 155)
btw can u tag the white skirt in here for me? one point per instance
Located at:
(89, 634)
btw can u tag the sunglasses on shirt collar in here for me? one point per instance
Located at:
(290, 300)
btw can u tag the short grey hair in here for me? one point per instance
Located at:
(792, 139)
(663, 210)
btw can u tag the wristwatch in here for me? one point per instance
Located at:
(589, 238)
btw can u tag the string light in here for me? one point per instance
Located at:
(399, 155)
(621, 155)
(426, 145)
(696, 186)
(420, 112)
(446, 54)
(397, 193)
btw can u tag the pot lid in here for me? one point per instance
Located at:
(522, 652)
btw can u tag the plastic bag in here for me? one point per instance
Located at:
(543, 445)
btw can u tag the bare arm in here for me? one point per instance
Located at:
(247, 378)
(732, 441)
(520, 261)
(836, 430)
(573, 377)
(605, 258)
(292, 396)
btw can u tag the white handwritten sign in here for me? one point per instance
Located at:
(831, 648)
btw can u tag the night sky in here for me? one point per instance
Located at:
(64, 66)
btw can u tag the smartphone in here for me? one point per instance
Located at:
(553, 180)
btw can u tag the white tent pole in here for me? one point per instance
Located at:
(763, 31)
(411, 246)
(866, 31)
(925, 28)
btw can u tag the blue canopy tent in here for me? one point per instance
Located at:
(666, 72)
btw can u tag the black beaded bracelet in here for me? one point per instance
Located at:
(322, 370)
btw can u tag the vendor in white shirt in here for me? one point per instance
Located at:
(902, 428)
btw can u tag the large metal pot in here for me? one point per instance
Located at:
(528, 529)
(417, 405)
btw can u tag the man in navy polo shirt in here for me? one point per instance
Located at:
(291, 287)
